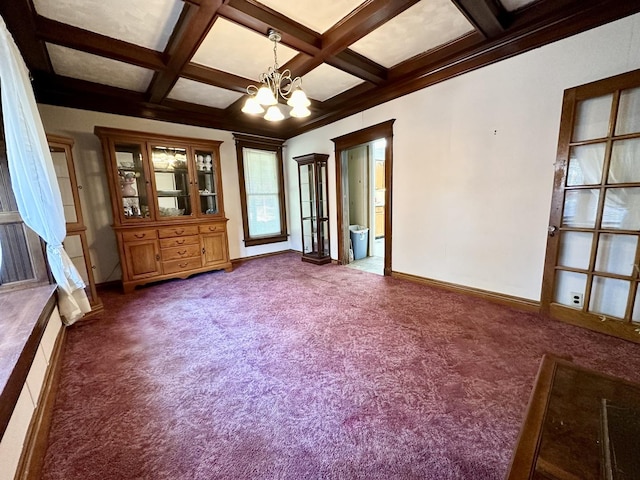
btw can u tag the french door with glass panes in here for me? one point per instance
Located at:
(593, 251)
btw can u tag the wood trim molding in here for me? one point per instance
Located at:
(500, 298)
(239, 261)
(35, 446)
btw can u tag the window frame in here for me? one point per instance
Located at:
(268, 145)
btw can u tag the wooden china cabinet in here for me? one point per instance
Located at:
(168, 211)
(75, 243)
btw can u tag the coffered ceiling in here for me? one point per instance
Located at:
(190, 61)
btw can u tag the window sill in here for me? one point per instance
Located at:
(25, 314)
(252, 242)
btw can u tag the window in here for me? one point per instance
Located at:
(23, 264)
(261, 189)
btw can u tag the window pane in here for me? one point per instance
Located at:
(64, 181)
(580, 208)
(625, 161)
(260, 171)
(592, 118)
(628, 112)
(609, 296)
(7, 200)
(585, 164)
(616, 253)
(622, 209)
(635, 316)
(264, 215)
(16, 262)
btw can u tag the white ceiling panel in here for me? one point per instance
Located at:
(426, 25)
(86, 66)
(512, 5)
(147, 23)
(324, 14)
(326, 81)
(203, 94)
(238, 50)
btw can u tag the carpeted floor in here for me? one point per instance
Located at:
(286, 370)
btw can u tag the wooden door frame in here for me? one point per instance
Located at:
(350, 140)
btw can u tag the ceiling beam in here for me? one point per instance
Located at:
(260, 19)
(80, 39)
(358, 66)
(217, 78)
(487, 16)
(19, 16)
(193, 26)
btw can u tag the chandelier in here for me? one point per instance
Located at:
(275, 84)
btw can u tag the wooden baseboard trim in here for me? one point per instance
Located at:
(36, 441)
(238, 261)
(502, 299)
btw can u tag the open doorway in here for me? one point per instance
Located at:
(363, 186)
(363, 166)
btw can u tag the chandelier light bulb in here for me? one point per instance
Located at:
(300, 112)
(274, 114)
(298, 99)
(265, 96)
(252, 106)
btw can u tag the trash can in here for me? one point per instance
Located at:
(359, 240)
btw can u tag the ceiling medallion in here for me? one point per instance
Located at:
(275, 84)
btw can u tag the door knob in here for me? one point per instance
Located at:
(552, 229)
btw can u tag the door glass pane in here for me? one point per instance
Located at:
(629, 112)
(575, 249)
(171, 180)
(133, 189)
(616, 253)
(585, 164)
(73, 246)
(207, 175)
(592, 118)
(625, 161)
(622, 209)
(609, 296)
(61, 167)
(567, 285)
(635, 316)
(580, 208)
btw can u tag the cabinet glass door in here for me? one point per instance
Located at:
(133, 182)
(171, 180)
(205, 162)
(323, 209)
(308, 206)
(63, 174)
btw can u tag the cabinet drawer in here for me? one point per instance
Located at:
(179, 241)
(214, 227)
(175, 253)
(183, 265)
(177, 231)
(137, 235)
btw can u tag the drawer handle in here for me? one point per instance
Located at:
(180, 242)
(179, 232)
(139, 235)
(203, 250)
(182, 265)
(182, 252)
(213, 229)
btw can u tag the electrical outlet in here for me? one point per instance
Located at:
(576, 299)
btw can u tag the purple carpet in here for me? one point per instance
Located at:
(286, 370)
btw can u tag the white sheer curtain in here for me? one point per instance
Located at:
(33, 177)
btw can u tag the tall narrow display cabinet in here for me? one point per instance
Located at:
(75, 243)
(168, 211)
(314, 207)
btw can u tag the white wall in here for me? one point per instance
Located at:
(473, 161)
(94, 196)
